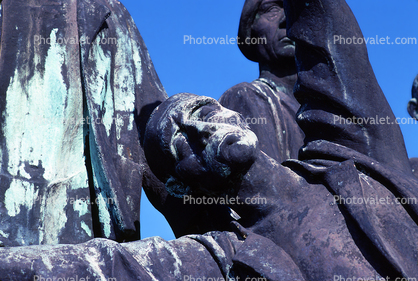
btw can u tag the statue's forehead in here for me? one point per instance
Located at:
(180, 109)
(188, 105)
(271, 1)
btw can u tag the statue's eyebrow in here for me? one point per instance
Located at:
(201, 104)
(268, 3)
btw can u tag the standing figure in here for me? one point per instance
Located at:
(268, 104)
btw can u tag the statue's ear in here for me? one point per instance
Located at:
(413, 108)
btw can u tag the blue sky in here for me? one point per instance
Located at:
(211, 69)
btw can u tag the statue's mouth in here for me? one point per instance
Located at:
(287, 40)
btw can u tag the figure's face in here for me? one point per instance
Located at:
(270, 22)
(209, 143)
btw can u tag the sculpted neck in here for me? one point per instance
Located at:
(280, 76)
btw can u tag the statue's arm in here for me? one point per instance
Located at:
(215, 255)
(149, 259)
(121, 89)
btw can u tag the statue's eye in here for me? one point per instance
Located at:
(274, 8)
(271, 7)
(204, 112)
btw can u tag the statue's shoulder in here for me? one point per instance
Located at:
(244, 91)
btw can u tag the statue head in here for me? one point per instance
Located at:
(413, 103)
(265, 19)
(196, 146)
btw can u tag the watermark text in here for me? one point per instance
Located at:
(189, 39)
(188, 199)
(377, 40)
(376, 120)
(76, 278)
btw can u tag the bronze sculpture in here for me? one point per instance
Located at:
(318, 221)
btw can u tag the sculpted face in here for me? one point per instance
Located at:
(196, 145)
(266, 19)
(270, 22)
